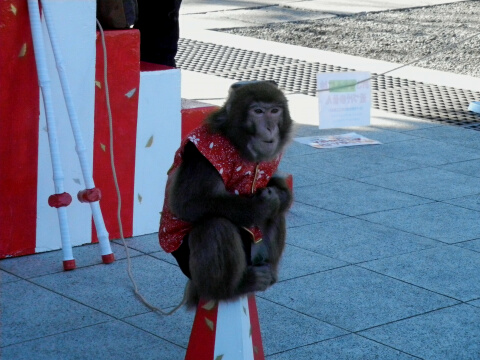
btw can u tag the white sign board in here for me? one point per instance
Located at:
(344, 99)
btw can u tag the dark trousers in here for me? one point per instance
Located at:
(159, 30)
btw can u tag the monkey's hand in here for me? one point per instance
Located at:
(257, 278)
(266, 204)
(279, 185)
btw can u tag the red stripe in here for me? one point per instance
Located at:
(256, 335)
(123, 83)
(193, 118)
(201, 345)
(19, 119)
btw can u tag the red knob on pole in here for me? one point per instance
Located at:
(89, 195)
(59, 200)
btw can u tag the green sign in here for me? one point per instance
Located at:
(342, 86)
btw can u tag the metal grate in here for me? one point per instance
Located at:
(407, 97)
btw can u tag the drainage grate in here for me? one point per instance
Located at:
(407, 97)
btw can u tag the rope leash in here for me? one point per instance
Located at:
(117, 188)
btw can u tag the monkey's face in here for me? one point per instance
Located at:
(263, 124)
(256, 119)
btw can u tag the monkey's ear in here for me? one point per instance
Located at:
(217, 119)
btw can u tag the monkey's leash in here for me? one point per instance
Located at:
(226, 330)
(61, 199)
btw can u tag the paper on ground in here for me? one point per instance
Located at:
(335, 141)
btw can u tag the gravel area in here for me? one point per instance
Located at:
(399, 36)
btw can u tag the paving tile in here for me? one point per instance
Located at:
(353, 298)
(162, 255)
(31, 266)
(108, 288)
(356, 240)
(475, 303)
(302, 214)
(352, 163)
(5, 277)
(429, 182)
(174, 328)
(350, 8)
(298, 262)
(470, 202)
(447, 334)
(451, 134)
(274, 14)
(108, 341)
(284, 329)
(296, 149)
(209, 21)
(473, 245)
(305, 177)
(31, 312)
(351, 347)
(145, 243)
(447, 270)
(396, 122)
(354, 198)
(470, 167)
(439, 221)
(424, 151)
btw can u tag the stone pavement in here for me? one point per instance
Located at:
(382, 260)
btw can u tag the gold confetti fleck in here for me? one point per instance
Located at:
(103, 146)
(23, 50)
(139, 198)
(13, 9)
(219, 357)
(98, 84)
(209, 305)
(149, 142)
(209, 324)
(131, 93)
(77, 181)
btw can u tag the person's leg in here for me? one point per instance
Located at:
(159, 30)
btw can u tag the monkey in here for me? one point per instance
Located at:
(224, 211)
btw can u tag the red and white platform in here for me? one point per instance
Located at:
(146, 109)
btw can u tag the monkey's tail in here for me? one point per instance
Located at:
(191, 296)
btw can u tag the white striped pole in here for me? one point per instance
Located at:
(91, 194)
(60, 199)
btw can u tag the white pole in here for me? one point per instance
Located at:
(58, 177)
(94, 197)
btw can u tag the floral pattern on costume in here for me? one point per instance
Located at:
(240, 177)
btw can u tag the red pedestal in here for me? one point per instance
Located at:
(193, 118)
(19, 112)
(123, 51)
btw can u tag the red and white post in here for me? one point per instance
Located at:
(226, 330)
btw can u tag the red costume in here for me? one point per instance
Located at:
(240, 177)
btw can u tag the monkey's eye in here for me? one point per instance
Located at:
(258, 111)
(275, 110)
